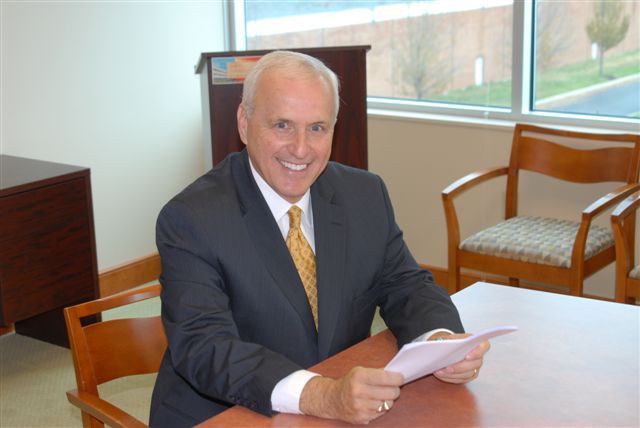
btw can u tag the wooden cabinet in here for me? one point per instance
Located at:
(47, 245)
(221, 101)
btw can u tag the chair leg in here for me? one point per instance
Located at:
(89, 421)
(453, 278)
(632, 291)
(577, 287)
(453, 271)
(453, 281)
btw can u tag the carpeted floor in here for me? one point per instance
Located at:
(35, 375)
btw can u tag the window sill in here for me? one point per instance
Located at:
(489, 121)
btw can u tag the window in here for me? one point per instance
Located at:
(587, 57)
(574, 62)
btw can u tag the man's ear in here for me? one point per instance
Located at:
(243, 123)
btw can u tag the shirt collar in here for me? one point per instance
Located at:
(280, 206)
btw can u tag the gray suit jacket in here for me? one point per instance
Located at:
(234, 309)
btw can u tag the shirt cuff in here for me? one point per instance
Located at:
(427, 335)
(285, 397)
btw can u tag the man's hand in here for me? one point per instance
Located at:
(356, 397)
(465, 370)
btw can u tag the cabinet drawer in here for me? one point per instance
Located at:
(46, 256)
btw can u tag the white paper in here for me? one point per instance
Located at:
(419, 359)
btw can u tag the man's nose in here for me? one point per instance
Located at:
(300, 145)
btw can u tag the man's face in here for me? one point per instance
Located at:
(288, 135)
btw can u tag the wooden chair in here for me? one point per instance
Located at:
(546, 250)
(627, 273)
(108, 350)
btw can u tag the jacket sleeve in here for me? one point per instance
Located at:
(205, 347)
(411, 303)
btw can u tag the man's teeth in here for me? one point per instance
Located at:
(294, 166)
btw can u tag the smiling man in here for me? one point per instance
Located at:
(277, 259)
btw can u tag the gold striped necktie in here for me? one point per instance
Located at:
(304, 259)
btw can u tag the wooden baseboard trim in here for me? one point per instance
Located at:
(147, 269)
(5, 329)
(130, 274)
(466, 279)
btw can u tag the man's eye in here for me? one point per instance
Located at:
(317, 128)
(282, 125)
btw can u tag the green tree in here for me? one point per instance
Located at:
(553, 37)
(608, 27)
(424, 70)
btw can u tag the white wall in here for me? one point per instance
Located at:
(418, 159)
(109, 86)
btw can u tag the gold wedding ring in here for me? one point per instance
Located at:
(384, 407)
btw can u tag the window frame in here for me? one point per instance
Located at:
(522, 95)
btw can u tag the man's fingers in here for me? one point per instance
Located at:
(479, 351)
(466, 374)
(377, 377)
(375, 384)
(461, 372)
(370, 393)
(381, 393)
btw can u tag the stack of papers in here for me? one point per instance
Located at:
(419, 359)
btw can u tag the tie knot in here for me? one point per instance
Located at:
(294, 217)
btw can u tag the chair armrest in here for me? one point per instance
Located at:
(623, 225)
(626, 208)
(102, 410)
(609, 200)
(471, 180)
(456, 188)
(605, 202)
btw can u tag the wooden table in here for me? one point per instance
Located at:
(47, 245)
(573, 363)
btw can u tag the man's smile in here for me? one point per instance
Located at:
(293, 166)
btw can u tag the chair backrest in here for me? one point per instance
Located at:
(108, 350)
(558, 154)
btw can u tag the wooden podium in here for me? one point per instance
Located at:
(221, 84)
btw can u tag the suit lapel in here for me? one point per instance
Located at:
(268, 241)
(330, 236)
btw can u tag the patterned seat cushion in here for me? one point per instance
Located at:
(635, 272)
(539, 240)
